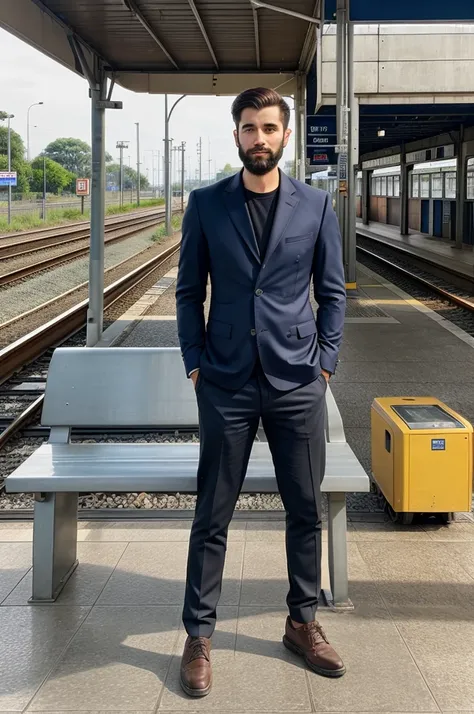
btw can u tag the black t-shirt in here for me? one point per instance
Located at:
(262, 208)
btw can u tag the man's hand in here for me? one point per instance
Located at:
(194, 377)
(327, 375)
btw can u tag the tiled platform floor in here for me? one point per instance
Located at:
(112, 642)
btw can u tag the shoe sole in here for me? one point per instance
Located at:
(319, 670)
(195, 692)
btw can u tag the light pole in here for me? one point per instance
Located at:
(121, 145)
(137, 124)
(44, 186)
(167, 163)
(9, 158)
(28, 129)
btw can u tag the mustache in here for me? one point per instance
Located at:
(260, 151)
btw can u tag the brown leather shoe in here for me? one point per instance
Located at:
(196, 672)
(311, 643)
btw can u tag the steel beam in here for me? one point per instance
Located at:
(203, 32)
(135, 10)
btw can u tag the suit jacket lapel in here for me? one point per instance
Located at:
(235, 202)
(287, 203)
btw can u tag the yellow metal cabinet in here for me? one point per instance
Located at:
(421, 456)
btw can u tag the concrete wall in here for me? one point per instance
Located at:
(409, 60)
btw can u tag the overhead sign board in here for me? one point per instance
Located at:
(321, 139)
(404, 11)
(8, 178)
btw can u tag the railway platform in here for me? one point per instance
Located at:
(439, 251)
(113, 640)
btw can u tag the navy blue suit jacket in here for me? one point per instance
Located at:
(260, 306)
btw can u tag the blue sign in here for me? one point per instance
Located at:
(438, 444)
(321, 138)
(7, 178)
(404, 11)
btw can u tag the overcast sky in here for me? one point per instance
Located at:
(32, 77)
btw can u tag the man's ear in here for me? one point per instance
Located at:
(286, 137)
(236, 138)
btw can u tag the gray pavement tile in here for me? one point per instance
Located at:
(406, 372)
(463, 554)
(441, 641)
(388, 531)
(154, 574)
(153, 531)
(118, 660)
(257, 676)
(32, 641)
(265, 580)
(15, 561)
(381, 675)
(453, 532)
(96, 564)
(422, 574)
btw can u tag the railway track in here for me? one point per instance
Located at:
(120, 230)
(450, 285)
(24, 363)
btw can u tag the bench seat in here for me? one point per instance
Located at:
(170, 467)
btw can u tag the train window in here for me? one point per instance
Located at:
(425, 185)
(470, 186)
(373, 186)
(437, 185)
(396, 186)
(383, 189)
(389, 185)
(450, 184)
(378, 186)
(415, 186)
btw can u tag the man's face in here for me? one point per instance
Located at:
(261, 139)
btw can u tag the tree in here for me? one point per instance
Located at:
(17, 153)
(129, 177)
(57, 177)
(73, 154)
(227, 170)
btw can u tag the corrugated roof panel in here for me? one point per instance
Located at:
(119, 37)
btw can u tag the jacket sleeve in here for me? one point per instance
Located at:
(329, 288)
(191, 284)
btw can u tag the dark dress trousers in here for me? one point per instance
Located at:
(260, 357)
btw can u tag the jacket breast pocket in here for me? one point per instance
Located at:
(219, 329)
(297, 239)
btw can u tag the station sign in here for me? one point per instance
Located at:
(82, 187)
(321, 140)
(8, 178)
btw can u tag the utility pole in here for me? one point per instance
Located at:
(183, 144)
(121, 145)
(199, 153)
(44, 187)
(9, 154)
(138, 162)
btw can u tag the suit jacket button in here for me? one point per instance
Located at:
(258, 292)
(253, 332)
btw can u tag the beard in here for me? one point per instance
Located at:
(260, 165)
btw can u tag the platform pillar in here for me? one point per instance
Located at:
(365, 198)
(461, 188)
(404, 195)
(300, 127)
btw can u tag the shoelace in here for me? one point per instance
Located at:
(316, 633)
(198, 649)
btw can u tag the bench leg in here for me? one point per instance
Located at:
(54, 544)
(338, 597)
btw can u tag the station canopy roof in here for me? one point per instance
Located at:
(174, 46)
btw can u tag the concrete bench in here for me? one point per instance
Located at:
(144, 387)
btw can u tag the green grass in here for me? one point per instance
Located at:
(160, 232)
(58, 216)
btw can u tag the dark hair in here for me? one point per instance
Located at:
(259, 98)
